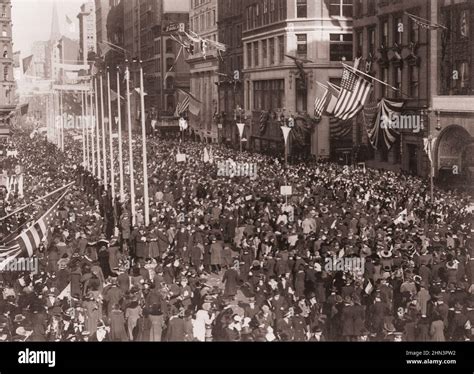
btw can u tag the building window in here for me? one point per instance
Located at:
(272, 51)
(371, 7)
(359, 41)
(301, 9)
(169, 83)
(340, 8)
(281, 48)
(169, 63)
(5, 73)
(384, 78)
(213, 17)
(397, 80)
(340, 47)
(255, 53)
(462, 84)
(384, 33)
(371, 41)
(169, 46)
(301, 45)
(249, 55)
(414, 77)
(398, 30)
(264, 52)
(268, 94)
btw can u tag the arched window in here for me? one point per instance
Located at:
(169, 83)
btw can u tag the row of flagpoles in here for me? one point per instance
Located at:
(94, 134)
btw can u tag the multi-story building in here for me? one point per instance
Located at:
(317, 35)
(7, 86)
(204, 68)
(38, 65)
(451, 111)
(398, 50)
(87, 33)
(430, 67)
(230, 87)
(102, 8)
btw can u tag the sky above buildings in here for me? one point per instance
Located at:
(32, 21)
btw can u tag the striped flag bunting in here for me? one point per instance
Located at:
(29, 240)
(354, 92)
(375, 131)
(339, 129)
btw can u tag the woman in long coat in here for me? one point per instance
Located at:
(153, 248)
(231, 279)
(143, 327)
(117, 325)
(216, 255)
(157, 322)
(141, 245)
(437, 329)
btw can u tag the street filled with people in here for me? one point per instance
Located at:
(349, 254)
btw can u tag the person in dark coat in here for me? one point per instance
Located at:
(347, 319)
(143, 327)
(117, 325)
(231, 280)
(359, 316)
(176, 331)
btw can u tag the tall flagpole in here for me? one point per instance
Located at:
(96, 128)
(104, 152)
(92, 129)
(145, 164)
(111, 139)
(119, 115)
(84, 162)
(130, 148)
(61, 123)
(86, 121)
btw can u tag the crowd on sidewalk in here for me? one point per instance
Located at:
(350, 255)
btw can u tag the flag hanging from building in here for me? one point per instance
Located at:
(334, 92)
(354, 92)
(194, 104)
(380, 130)
(424, 23)
(29, 240)
(182, 106)
(339, 129)
(320, 104)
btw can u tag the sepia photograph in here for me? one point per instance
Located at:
(261, 172)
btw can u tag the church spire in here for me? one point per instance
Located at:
(55, 31)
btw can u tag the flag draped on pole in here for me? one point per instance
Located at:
(424, 23)
(194, 104)
(183, 104)
(29, 240)
(354, 92)
(428, 144)
(379, 130)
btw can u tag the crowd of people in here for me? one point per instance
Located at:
(350, 255)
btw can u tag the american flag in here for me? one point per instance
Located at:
(320, 104)
(339, 129)
(182, 106)
(29, 240)
(354, 92)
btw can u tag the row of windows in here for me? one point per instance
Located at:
(268, 51)
(196, 3)
(394, 76)
(203, 21)
(385, 38)
(268, 94)
(271, 11)
(340, 49)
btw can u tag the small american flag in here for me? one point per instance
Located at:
(320, 104)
